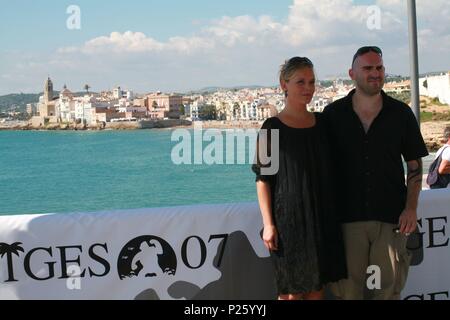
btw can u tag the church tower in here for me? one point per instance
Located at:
(48, 91)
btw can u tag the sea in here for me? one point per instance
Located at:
(88, 171)
(84, 171)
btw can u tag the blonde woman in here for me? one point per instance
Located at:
(297, 206)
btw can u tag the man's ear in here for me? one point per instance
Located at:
(351, 74)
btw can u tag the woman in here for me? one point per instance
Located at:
(296, 202)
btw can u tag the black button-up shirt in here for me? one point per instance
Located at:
(370, 179)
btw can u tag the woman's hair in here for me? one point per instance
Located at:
(292, 65)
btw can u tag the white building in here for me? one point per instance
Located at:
(132, 109)
(66, 105)
(128, 94)
(266, 111)
(318, 104)
(85, 109)
(123, 103)
(117, 93)
(194, 109)
(436, 87)
(32, 109)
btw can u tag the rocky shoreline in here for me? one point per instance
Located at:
(146, 124)
(432, 131)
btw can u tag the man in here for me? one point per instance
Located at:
(370, 132)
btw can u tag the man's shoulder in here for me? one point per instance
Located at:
(337, 105)
(398, 105)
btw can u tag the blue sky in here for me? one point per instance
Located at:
(21, 21)
(179, 45)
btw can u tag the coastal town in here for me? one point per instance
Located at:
(222, 108)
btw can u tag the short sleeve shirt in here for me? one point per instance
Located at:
(369, 166)
(445, 151)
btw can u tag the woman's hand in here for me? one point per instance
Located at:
(270, 237)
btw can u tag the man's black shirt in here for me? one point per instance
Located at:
(370, 179)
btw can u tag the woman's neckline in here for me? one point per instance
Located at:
(315, 123)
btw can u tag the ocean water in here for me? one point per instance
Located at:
(62, 171)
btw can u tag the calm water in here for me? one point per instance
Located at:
(42, 172)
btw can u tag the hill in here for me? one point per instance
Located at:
(17, 101)
(214, 89)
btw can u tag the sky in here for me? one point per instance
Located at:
(178, 45)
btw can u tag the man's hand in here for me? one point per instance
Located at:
(408, 221)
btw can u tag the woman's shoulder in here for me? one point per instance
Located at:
(271, 123)
(276, 123)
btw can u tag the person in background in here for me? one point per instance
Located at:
(294, 192)
(441, 164)
(370, 133)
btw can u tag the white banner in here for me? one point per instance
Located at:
(429, 274)
(191, 252)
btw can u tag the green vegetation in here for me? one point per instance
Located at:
(404, 96)
(437, 102)
(208, 112)
(426, 116)
(395, 78)
(434, 116)
(325, 83)
(329, 83)
(441, 116)
(17, 101)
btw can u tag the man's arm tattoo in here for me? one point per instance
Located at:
(415, 171)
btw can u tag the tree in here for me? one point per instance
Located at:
(86, 87)
(154, 105)
(208, 112)
(221, 111)
(404, 96)
(182, 110)
(9, 250)
(236, 111)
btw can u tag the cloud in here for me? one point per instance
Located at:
(311, 24)
(137, 42)
(117, 42)
(231, 31)
(341, 22)
(248, 50)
